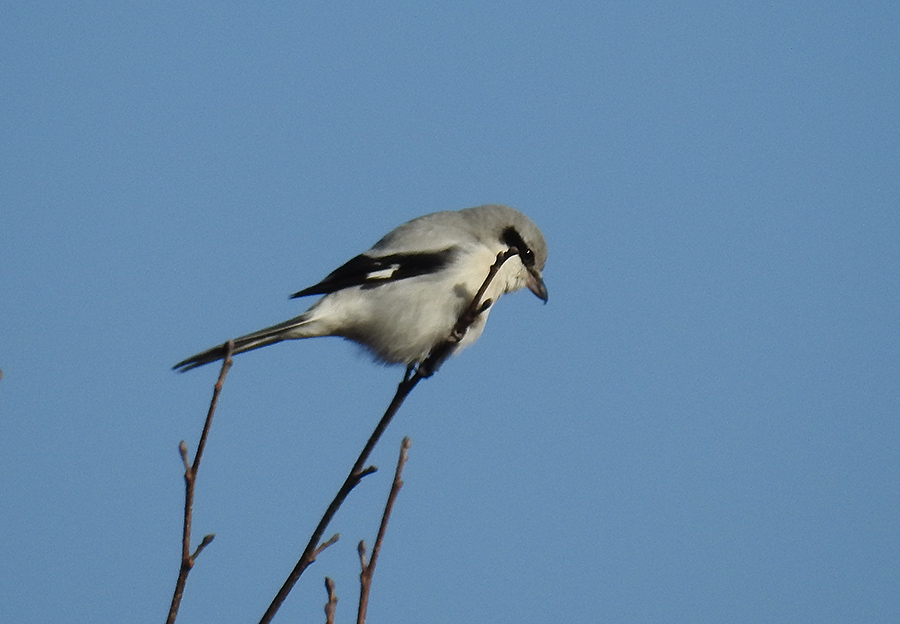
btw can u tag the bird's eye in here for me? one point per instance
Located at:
(512, 238)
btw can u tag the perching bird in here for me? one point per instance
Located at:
(404, 296)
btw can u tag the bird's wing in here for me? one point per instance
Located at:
(371, 271)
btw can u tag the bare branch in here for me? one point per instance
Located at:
(325, 545)
(356, 475)
(182, 448)
(361, 551)
(368, 570)
(332, 601)
(206, 541)
(410, 379)
(190, 479)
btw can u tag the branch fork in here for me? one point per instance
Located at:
(190, 479)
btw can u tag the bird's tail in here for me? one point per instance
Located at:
(269, 335)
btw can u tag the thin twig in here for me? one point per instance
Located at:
(190, 479)
(410, 380)
(331, 605)
(356, 475)
(325, 545)
(368, 569)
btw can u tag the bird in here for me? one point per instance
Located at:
(403, 297)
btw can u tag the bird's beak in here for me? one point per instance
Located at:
(536, 284)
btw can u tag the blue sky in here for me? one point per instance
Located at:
(700, 426)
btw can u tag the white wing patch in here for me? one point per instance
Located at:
(383, 274)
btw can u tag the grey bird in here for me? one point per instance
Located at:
(403, 296)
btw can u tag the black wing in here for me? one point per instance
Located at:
(366, 270)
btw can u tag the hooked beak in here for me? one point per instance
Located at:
(536, 284)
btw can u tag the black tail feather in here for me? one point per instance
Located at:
(258, 339)
(210, 355)
(245, 343)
